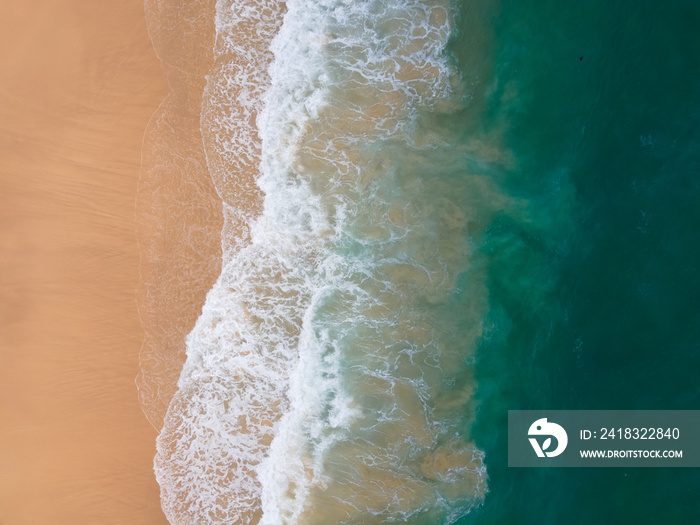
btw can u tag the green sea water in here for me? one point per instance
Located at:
(588, 114)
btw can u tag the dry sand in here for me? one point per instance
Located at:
(78, 84)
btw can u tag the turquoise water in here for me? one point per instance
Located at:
(595, 294)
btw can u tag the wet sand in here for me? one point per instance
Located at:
(78, 83)
(178, 211)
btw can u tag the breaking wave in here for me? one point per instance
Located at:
(329, 376)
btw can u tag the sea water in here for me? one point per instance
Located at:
(594, 302)
(452, 209)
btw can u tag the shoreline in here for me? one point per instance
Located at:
(178, 213)
(79, 83)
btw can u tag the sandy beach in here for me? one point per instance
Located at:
(79, 81)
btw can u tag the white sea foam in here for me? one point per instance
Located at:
(320, 378)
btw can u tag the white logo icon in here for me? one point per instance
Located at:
(542, 428)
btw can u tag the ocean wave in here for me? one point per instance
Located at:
(328, 379)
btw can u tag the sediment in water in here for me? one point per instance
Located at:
(329, 377)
